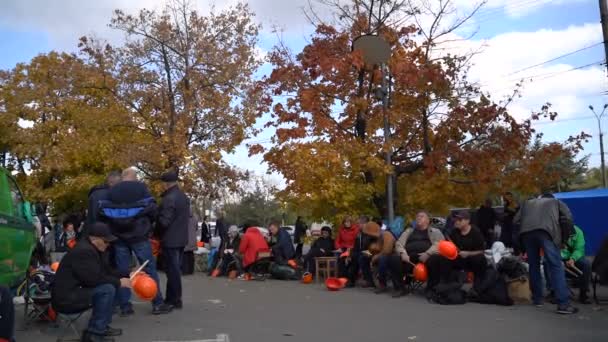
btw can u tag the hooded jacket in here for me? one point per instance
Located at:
(252, 242)
(346, 237)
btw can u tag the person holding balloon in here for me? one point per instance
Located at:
(84, 280)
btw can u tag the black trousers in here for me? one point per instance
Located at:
(7, 314)
(476, 264)
(173, 269)
(400, 270)
(299, 247)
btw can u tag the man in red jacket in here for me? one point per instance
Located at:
(347, 234)
(251, 244)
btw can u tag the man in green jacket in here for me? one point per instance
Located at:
(573, 255)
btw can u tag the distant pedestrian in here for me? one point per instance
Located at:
(510, 209)
(221, 229)
(486, 220)
(205, 231)
(300, 232)
(130, 211)
(172, 228)
(545, 223)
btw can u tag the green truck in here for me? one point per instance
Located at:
(17, 232)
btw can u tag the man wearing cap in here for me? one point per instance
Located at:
(470, 242)
(85, 280)
(172, 229)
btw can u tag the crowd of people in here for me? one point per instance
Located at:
(123, 218)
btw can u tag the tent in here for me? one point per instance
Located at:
(587, 209)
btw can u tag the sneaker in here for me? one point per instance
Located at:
(90, 337)
(113, 332)
(127, 312)
(539, 304)
(566, 310)
(178, 305)
(162, 309)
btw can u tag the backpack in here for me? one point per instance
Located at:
(492, 289)
(448, 294)
(512, 268)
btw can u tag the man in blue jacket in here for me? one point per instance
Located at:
(282, 250)
(130, 211)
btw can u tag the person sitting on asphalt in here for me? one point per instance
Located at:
(252, 243)
(84, 280)
(415, 245)
(471, 244)
(573, 255)
(228, 252)
(360, 257)
(345, 241)
(322, 247)
(282, 250)
(130, 211)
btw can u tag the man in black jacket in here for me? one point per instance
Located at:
(172, 229)
(130, 210)
(85, 281)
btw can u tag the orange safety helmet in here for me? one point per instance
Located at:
(292, 263)
(448, 249)
(232, 274)
(307, 278)
(420, 272)
(155, 243)
(71, 243)
(333, 284)
(215, 272)
(55, 266)
(200, 244)
(144, 287)
(343, 281)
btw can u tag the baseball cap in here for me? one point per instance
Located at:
(101, 230)
(463, 215)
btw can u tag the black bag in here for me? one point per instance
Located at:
(492, 289)
(448, 294)
(512, 268)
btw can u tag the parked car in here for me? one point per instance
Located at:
(17, 232)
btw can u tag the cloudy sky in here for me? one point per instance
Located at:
(512, 36)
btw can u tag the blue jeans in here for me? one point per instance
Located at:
(143, 252)
(173, 269)
(582, 281)
(533, 242)
(103, 299)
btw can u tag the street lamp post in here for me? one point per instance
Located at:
(376, 52)
(599, 125)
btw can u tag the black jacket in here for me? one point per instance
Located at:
(80, 271)
(129, 210)
(173, 218)
(299, 231)
(221, 228)
(325, 244)
(283, 249)
(96, 194)
(205, 233)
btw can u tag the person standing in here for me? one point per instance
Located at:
(486, 220)
(544, 224)
(129, 211)
(205, 233)
(298, 235)
(221, 229)
(172, 229)
(509, 211)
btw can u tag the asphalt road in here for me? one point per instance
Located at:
(292, 312)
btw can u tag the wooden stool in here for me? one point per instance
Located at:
(327, 265)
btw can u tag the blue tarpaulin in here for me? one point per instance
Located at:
(588, 211)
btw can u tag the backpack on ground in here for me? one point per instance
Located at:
(448, 294)
(283, 272)
(492, 289)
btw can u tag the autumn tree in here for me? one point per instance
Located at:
(186, 81)
(446, 135)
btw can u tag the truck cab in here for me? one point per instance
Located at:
(17, 232)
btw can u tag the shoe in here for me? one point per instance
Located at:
(566, 310)
(162, 309)
(551, 298)
(539, 304)
(90, 337)
(176, 305)
(401, 293)
(381, 290)
(127, 312)
(113, 332)
(584, 300)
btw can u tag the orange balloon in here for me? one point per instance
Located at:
(145, 287)
(307, 278)
(200, 244)
(55, 266)
(420, 272)
(448, 249)
(71, 243)
(292, 263)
